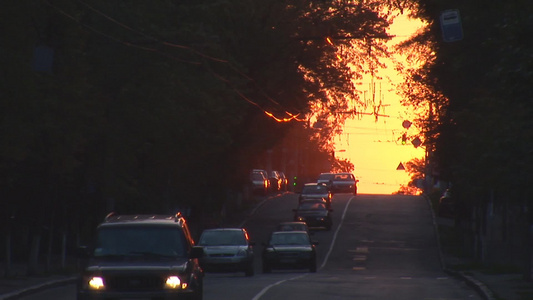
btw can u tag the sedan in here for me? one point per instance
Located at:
(292, 226)
(315, 191)
(227, 250)
(314, 213)
(259, 183)
(289, 250)
(344, 183)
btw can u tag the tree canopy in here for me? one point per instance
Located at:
(145, 105)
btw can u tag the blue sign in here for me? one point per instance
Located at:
(450, 23)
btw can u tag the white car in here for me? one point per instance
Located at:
(227, 250)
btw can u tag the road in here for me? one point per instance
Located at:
(380, 247)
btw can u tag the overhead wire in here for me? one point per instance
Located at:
(291, 117)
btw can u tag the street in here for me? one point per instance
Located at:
(380, 247)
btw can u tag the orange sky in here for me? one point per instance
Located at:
(373, 146)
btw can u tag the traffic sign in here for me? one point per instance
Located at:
(450, 23)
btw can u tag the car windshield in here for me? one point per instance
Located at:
(315, 189)
(258, 176)
(146, 241)
(312, 206)
(222, 238)
(325, 176)
(292, 227)
(343, 177)
(289, 239)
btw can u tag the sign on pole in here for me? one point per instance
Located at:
(450, 23)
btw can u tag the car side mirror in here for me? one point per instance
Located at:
(197, 252)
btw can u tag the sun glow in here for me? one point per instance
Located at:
(374, 143)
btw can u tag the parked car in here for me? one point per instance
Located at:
(259, 183)
(446, 207)
(284, 181)
(227, 250)
(344, 183)
(275, 181)
(314, 213)
(141, 256)
(289, 250)
(313, 191)
(265, 174)
(292, 226)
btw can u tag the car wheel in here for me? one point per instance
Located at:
(249, 271)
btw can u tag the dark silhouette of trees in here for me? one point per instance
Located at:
(141, 106)
(479, 128)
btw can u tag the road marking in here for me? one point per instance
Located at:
(266, 288)
(336, 232)
(359, 258)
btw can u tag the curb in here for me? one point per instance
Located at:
(38, 287)
(481, 288)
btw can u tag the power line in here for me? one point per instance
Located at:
(292, 116)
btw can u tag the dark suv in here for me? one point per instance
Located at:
(142, 256)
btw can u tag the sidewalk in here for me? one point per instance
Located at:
(492, 286)
(18, 284)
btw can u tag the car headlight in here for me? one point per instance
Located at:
(174, 282)
(96, 283)
(300, 219)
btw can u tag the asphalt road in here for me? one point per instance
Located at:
(380, 247)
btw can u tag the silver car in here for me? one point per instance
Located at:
(227, 250)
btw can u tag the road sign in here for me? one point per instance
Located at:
(416, 142)
(400, 167)
(450, 23)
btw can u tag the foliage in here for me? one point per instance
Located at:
(154, 106)
(479, 125)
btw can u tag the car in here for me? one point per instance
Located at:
(314, 213)
(227, 250)
(284, 181)
(275, 181)
(344, 183)
(141, 256)
(259, 183)
(312, 191)
(289, 250)
(292, 226)
(265, 174)
(326, 178)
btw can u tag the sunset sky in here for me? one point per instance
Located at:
(374, 147)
